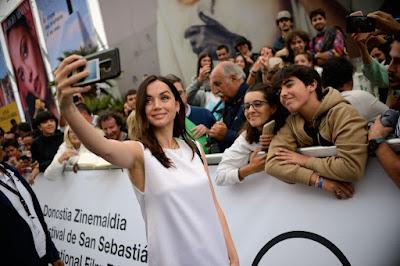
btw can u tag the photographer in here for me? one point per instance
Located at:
(389, 160)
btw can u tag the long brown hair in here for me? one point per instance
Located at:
(272, 97)
(143, 129)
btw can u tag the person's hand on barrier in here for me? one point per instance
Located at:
(341, 190)
(32, 176)
(257, 160)
(199, 130)
(290, 157)
(66, 75)
(377, 130)
(209, 36)
(66, 155)
(264, 141)
(218, 131)
(58, 263)
(385, 23)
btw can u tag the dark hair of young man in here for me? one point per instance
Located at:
(337, 72)
(318, 11)
(304, 73)
(130, 92)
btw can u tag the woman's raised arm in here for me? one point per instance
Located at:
(122, 154)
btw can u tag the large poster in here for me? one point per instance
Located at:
(66, 27)
(6, 94)
(26, 58)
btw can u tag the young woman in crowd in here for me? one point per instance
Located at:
(261, 105)
(184, 222)
(201, 82)
(68, 152)
(318, 118)
(242, 63)
(296, 43)
(205, 95)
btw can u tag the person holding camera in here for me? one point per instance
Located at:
(388, 158)
(201, 82)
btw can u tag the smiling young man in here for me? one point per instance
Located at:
(318, 118)
(329, 41)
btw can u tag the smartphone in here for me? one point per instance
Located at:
(268, 128)
(357, 24)
(102, 65)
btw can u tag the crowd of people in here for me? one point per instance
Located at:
(306, 84)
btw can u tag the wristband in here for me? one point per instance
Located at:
(321, 182)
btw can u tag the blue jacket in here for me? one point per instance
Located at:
(233, 117)
(16, 242)
(201, 115)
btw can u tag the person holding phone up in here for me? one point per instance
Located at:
(265, 115)
(185, 225)
(201, 82)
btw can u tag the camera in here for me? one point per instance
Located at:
(358, 24)
(102, 65)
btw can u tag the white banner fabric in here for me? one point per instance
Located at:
(94, 219)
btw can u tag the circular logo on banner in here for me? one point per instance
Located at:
(301, 234)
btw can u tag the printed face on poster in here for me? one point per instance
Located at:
(26, 58)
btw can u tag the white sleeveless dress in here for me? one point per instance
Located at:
(182, 223)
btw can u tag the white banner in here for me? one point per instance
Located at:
(94, 219)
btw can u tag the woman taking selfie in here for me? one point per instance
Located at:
(184, 222)
(261, 105)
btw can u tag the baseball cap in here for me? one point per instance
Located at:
(283, 14)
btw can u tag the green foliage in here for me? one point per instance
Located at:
(83, 51)
(105, 102)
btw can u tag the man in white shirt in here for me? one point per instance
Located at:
(24, 239)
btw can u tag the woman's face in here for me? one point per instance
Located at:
(28, 63)
(205, 61)
(301, 59)
(161, 106)
(239, 60)
(257, 110)
(74, 139)
(298, 45)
